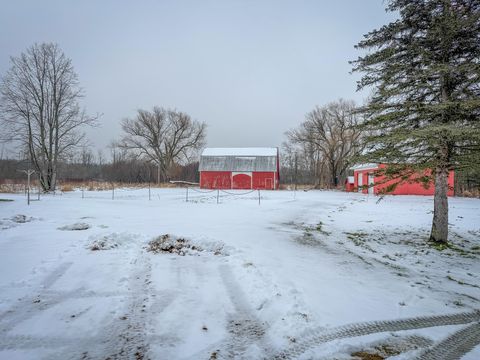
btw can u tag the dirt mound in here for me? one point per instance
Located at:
(105, 243)
(180, 246)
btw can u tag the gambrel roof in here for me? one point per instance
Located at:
(239, 159)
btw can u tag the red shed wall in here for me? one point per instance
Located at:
(215, 180)
(405, 188)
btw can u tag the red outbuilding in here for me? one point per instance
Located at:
(366, 174)
(239, 168)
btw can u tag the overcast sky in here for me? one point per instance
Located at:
(249, 69)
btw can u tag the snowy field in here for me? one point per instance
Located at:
(322, 275)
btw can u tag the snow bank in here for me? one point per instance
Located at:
(110, 241)
(20, 219)
(8, 223)
(75, 227)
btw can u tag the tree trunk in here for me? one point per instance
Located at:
(333, 174)
(53, 183)
(439, 233)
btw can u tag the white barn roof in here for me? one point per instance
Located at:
(239, 159)
(249, 151)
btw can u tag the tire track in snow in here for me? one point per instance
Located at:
(128, 339)
(123, 337)
(246, 331)
(314, 338)
(25, 342)
(244, 327)
(28, 306)
(454, 346)
(56, 274)
(128, 336)
(120, 338)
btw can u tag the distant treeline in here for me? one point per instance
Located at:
(126, 171)
(131, 170)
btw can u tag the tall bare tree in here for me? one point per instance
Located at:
(39, 108)
(164, 137)
(331, 132)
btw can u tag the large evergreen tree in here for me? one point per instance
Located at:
(424, 112)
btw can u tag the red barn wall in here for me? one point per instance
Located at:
(215, 179)
(223, 180)
(265, 180)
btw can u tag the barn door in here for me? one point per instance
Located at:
(241, 181)
(269, 184)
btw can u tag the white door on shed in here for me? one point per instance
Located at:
(371, 181)
(360, 181)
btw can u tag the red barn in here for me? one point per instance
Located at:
(365, 175)
(239, 168)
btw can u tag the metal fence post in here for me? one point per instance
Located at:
(218, 194)
(28, 172)
(258, 196)
(186, 196)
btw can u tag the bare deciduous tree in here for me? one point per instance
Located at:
(164, 137)
(331, 135)
(39, 108)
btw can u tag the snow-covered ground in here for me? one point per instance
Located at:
(283, 279)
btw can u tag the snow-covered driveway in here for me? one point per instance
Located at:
(283, 279)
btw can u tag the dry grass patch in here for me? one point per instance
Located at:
(363, 355)
(67, 188)
(107, 185)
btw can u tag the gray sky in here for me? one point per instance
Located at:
(249, 69)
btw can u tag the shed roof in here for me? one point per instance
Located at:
(369, 166)
(239, 159)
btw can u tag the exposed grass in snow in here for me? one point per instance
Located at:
(392, 346)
